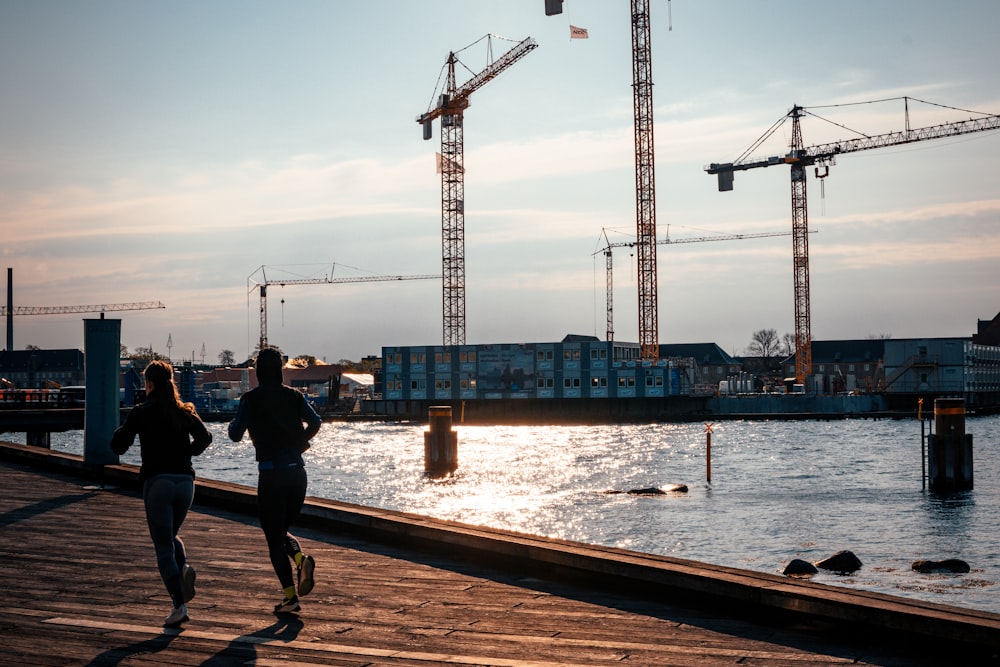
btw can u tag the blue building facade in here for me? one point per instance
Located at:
(577, 367)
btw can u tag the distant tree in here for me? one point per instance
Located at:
(143, 355)
(764, 343)
(122, 351)
(303, 361)
(881, 336)
(347, 364)
(788, 344)
(32, 347)
(227, 358)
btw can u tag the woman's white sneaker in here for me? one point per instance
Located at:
(177, 616)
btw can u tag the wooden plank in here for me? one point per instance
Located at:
(80, 565)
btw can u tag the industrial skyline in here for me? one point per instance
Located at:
(163, 152)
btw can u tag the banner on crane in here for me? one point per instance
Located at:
(578, 33)
(441, 161)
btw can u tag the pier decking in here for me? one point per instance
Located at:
(81, 588)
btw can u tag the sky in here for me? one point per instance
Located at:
(166, 151)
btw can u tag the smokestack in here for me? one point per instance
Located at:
(10, 309)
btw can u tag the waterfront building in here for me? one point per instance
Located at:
(39, 369)
(578, 367)
(852, 365)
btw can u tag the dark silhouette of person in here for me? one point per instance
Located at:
(274, 414)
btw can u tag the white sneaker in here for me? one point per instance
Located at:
(177, 616)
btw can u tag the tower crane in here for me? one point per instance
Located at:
(263, 282)
(645, 173)
(609, 260)
(450, 108)
(799, 157)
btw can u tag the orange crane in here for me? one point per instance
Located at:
(799, 157)
(450, 107)
(645, 180)
(609, 260)
(645, 172)
(262, 283)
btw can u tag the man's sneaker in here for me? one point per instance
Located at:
(306, 582)
(177, 616)
(187, 582)
(287, 606)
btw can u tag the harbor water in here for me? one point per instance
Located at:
(779, 490)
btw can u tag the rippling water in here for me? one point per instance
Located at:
(779, 490)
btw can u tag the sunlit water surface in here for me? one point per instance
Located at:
(778, 491)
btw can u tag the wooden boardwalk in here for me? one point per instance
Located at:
(81, 588)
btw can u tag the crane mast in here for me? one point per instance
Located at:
(450, 109)
(800, 257)
(799, 157)
(645, 180)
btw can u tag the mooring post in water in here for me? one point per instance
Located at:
(440, 442)
(923, 453)
(949, 449)
(708, 451)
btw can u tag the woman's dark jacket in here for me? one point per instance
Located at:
(273, 414)
(168, 438)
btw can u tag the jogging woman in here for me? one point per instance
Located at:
(170, 433)
(274, 413)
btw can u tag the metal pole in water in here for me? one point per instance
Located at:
(923, 454)
(708, 451)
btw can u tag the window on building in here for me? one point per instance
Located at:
(571, 383)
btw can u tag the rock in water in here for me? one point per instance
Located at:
(843, 562)
(799, 568)
(953, 565)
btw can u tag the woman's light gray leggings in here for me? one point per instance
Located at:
(168, 499)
